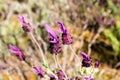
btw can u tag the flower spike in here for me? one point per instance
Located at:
(60, 75)
(38, 71)
(17, 52)
(87, 61)
(66, 37)
(96, 64)
(26, 26)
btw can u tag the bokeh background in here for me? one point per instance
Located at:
(93, 24)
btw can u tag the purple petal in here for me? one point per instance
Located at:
(52, 77)
(84, 55)
(14, 49)
(59, 31)
(96, 64)
(21, 19)
(38, 71)
(86, 78)
(51, 33)
(110, 22)
(61, 26)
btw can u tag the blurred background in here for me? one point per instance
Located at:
(93, 24)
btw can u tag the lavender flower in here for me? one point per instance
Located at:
(55, 45)
(96, 64)
(66, 37)
(102, 3)
(52, 77)
(26, 26)
(39, 71)
(60, 75)
(17, 52)
(110, 22)
(86, 78)
(115, 1)
(77, 78)
(86, 62)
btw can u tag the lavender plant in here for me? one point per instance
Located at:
(86, 71)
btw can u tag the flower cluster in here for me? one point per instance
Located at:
(17, 52)
(55, 48)
(60, 75)
(86, 64)
(39, 71)
(54, 41)
(55, 44)
(66, 37)
(26, 26)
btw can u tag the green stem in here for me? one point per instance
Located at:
(43, 58)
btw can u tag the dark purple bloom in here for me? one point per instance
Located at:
(86, 78)
(17, 52)
(26, 26)
(55, 45)
(96, 64)
(115, 1)
(77, 78)
(102, 2)
(55, 48)
(66, 37)
(61, 75)
(52, 77)
(110, 22)
(87, 61)
(39, 71)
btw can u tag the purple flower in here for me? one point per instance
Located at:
(96, 64)
(53, 38)
(66, 37)
(102, 2)
(115, 1)
(77, 78)
(55, 48)
(110, 22)
(39, 71)
(61, 75)
(86, 78)
(26, 26)
(87, 61)
(52, 77)
(17, 52)
(55, 45)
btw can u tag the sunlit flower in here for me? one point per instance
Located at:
(96, 64)
(66, 37)
(39, 71)
(17, 52)
(52, 77)
(60, 75)
(55, 45)
(87, 61)
(26, 26)
(86, 77)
